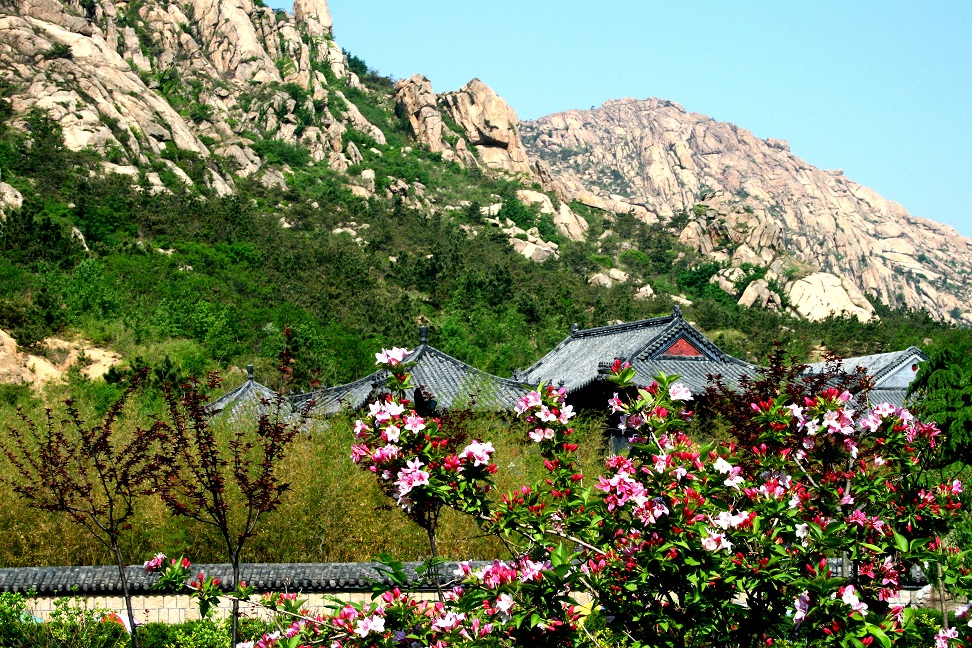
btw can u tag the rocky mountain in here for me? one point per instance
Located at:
(206, 91)
(825, 240)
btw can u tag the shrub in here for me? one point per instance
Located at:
(275, 151)
(59, 51)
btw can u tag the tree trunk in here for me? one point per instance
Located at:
(235, 622)
(432, 521)
(941, 598)
(126, 594)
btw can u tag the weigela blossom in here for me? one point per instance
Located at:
(410, 477)
(715, 541)
(527, 402)
(478, 452)
(373, 624)
(801, 605)
(849, 596)
(391, 357)
(155, 563)
(679, 392)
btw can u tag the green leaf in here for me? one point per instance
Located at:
(900, 541)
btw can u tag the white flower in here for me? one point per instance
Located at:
(722, 466)
(679, 392)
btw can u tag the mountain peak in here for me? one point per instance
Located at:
(655, 160)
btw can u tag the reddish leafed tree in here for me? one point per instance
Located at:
(227, 482)
(93, 474)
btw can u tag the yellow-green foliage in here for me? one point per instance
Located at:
(334, 511)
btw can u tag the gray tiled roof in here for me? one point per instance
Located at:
(104, 580)
(451, 381)
(892, 373)
(248, 400)
(896, 397)
(878, 365)
(583, 357)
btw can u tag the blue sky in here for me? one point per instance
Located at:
(882, 90)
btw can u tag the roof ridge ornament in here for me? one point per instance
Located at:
(574, 328)
(423, 335)
(249, 372)
(677, 311)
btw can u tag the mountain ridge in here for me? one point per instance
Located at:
(655, 159)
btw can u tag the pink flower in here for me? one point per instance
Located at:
(715, 542)
(391, 357)
(360, 429)
(616, 404)
(546, 415)
(722, 466)
(414, 423)
(661, 463)
(527, 402)
(478, 452)
(801, 605)
(849, 596)
(385, 454)
(448, 621)
(155, 563)
(359, 452)
(530, 570)
(539, 434)
(679, 392)
(941, 639)
(391, 434)
(504, 602)
(410, 477)
(366, 626)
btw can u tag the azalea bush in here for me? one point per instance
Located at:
(807, 534)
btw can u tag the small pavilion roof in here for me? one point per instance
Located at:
(892, 372)
(450, 381)
(663, 344)
(250, 399)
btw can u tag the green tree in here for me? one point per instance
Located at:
(943, 391)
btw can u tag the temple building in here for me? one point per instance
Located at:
(670, 345)
(580, 363)
(892, 373)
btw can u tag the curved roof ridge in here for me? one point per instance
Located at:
(460, 363)
(619, 328)
(238, 394)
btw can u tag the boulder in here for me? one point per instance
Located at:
(726, 280)
(368, 179)
(10, 197)
(758, 294)
(822, 294)
(490, 125)
(618, 275)
(415, 100)
(529, 197)
(533, 251)
(569, 224)
(645, 292)
(600, 279)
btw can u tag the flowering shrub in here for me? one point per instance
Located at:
(417, 463)
(808, 534)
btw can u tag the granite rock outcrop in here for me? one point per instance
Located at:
(753, 201)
